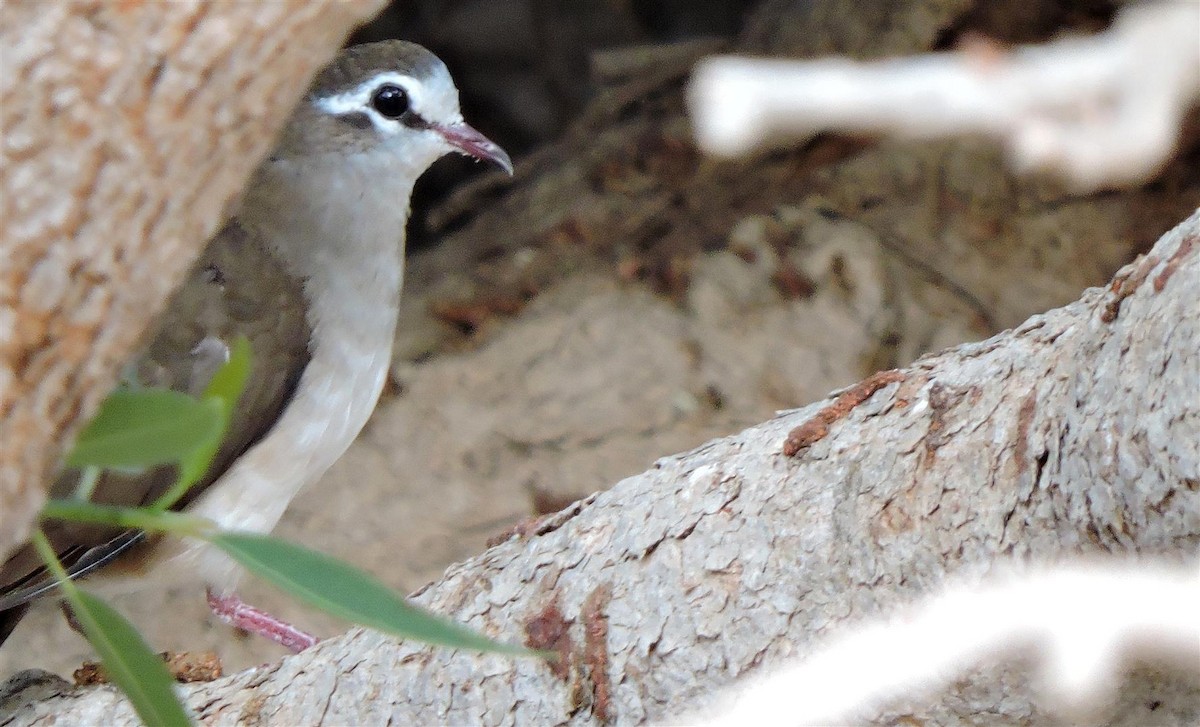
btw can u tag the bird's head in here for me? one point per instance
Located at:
(392, 102)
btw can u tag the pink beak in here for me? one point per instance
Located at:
(472, 143)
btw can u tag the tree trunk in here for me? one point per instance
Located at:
(127, 131)
(1074, 433)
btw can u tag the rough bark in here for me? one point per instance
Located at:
(1076, 432)
(128, 128)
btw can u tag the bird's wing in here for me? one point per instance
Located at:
(236, 288)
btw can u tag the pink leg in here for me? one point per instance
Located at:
(233, 611)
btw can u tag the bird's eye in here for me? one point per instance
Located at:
(390, 101)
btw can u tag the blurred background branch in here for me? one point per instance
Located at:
(1101, 110)
(1082, 625)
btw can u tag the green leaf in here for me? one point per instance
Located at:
(139, 672)
(225, 389)
(130, 663)
(230, 380)
(145, 428)
(345, 591)
(191, 468)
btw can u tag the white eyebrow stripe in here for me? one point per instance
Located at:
(359, 98)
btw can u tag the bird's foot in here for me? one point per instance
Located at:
(239, 614)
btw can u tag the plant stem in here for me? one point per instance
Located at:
(87, 483)
(42, 544)
(127, 517)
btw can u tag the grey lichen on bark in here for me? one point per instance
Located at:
(128, 128)
(1074, 433)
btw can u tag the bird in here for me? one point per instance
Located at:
(308, 268)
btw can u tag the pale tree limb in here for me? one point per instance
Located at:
(1074, 433)
(1101, 110)
(127, 130)
(1086, 622)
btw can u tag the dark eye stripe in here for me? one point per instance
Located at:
(414, 121)
(357, 119)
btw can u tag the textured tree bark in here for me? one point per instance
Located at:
(128, 128)
(1076, 432)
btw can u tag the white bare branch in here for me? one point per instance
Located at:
(1101, 109)
(1085, 620)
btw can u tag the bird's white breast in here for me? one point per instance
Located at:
(340, 227)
